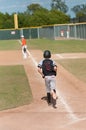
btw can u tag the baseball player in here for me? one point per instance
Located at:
(48, 68)
(24, 47)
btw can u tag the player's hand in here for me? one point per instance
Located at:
(43, 76)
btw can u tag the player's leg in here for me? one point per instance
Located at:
(53, 87)
(49, 98)
(48, 91)
(25, 52)
(53, 91)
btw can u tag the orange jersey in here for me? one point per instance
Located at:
(23, 42)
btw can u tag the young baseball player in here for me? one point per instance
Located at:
(48, 68)
(24, 47)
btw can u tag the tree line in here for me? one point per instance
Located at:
(36, 15)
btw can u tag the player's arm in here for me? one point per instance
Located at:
(54, 66)
(40, 69)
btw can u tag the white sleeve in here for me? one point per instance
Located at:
(40, 64)
(54, 63)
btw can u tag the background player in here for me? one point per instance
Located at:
(48, 68)
(24, 47)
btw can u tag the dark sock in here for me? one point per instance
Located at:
(48, 97)
(54, 90)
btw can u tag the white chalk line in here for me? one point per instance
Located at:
(73, 122)
(67, 107)
(19, 41)
(68, 57)
(32, 58)
(60, 56)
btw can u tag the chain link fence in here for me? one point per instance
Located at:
(61, 31)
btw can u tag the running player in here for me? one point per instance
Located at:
(24, 47)
(48, 68)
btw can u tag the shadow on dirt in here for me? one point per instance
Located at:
(53, 102)
(44, 98)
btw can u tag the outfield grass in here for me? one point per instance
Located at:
(59, 46)
(9, 45)
(14, 87)
(76, 67)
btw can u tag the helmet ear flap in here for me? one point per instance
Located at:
(47, 54)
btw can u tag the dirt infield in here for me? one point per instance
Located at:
(71, 111)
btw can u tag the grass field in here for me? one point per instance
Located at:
(59, 46)
(9, 45)
(14, 86)
(76, 67)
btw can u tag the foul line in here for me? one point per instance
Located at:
(73, 122)
(32, 58)
(67, 107)
(60, 56)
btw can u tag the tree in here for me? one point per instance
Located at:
(23, 19)
(40, 17)
(6, 21)
(35, 15)
(33, 8)
(1, 20)
(79, 10)
(58, 17)
(59, 5)
(47, 17)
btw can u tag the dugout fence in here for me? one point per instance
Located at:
(60, 31)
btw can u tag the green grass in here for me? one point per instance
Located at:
(14, 87)
(59, 46)
(9, 45)
(76, 66)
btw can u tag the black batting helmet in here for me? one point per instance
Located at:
(47, 54)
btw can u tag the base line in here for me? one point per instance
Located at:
(59, 55)
(68, 109)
